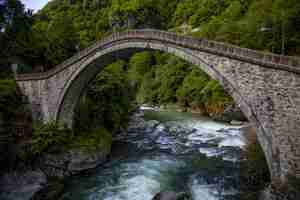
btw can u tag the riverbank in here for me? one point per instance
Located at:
(53, 154)
(230, 114)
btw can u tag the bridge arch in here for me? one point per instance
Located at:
(265, 86)
(79, 80)
(90, 67)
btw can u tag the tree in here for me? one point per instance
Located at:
(107, 101)
(15, 24)
(286, 22)
(139, 65)
(189, 93)
(63, 39)
(170, 77)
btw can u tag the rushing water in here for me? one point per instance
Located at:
(198, 156)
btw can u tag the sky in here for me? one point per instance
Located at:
(34, 4)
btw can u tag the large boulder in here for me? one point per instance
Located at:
(21, 185)
(231, 112)
(175, 129)
(170, 195)
(53, 190)
(71, 162)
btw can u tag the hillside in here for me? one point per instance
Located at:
(68, 26)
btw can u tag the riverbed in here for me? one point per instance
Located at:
(174, 151)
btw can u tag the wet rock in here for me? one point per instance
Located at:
(236, 123)
(277, 191)
(165, 140)
(138, 114)
(150, 126)
(152, 123)
(248, 128)
(209, 152)
(21, 185)
(71, 162)
(170, 195)
(148, 107)
(53, 190)
(136, 126)
(175, 129)
(179, 149)
(231, 112)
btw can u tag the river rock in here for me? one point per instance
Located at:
(136, 124)
(135, 127)
(175, 129)
(53, 190)
(236, 123)
(170, 195)
(152, 123)
(231, 112)
(21, 185)
(150, 126)
(71, 162)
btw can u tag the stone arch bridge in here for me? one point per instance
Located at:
(265, 86)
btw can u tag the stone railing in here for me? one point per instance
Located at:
(266, 59)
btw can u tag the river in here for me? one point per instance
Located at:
(184, 152)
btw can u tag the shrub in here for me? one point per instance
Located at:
(94, 140)
(49, 137)
(10, 109)
(10, 99)
(190, 91)
(139, 65)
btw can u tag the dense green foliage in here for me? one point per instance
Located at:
(62, 27)
(9, 99)
(271, 25)
(49, 136)
(164, 79)
(11, 109)
(15, 25)
(12, 112)
(107, 101)
(98, 139)
(54, 137)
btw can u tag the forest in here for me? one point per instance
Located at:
(64, 27)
